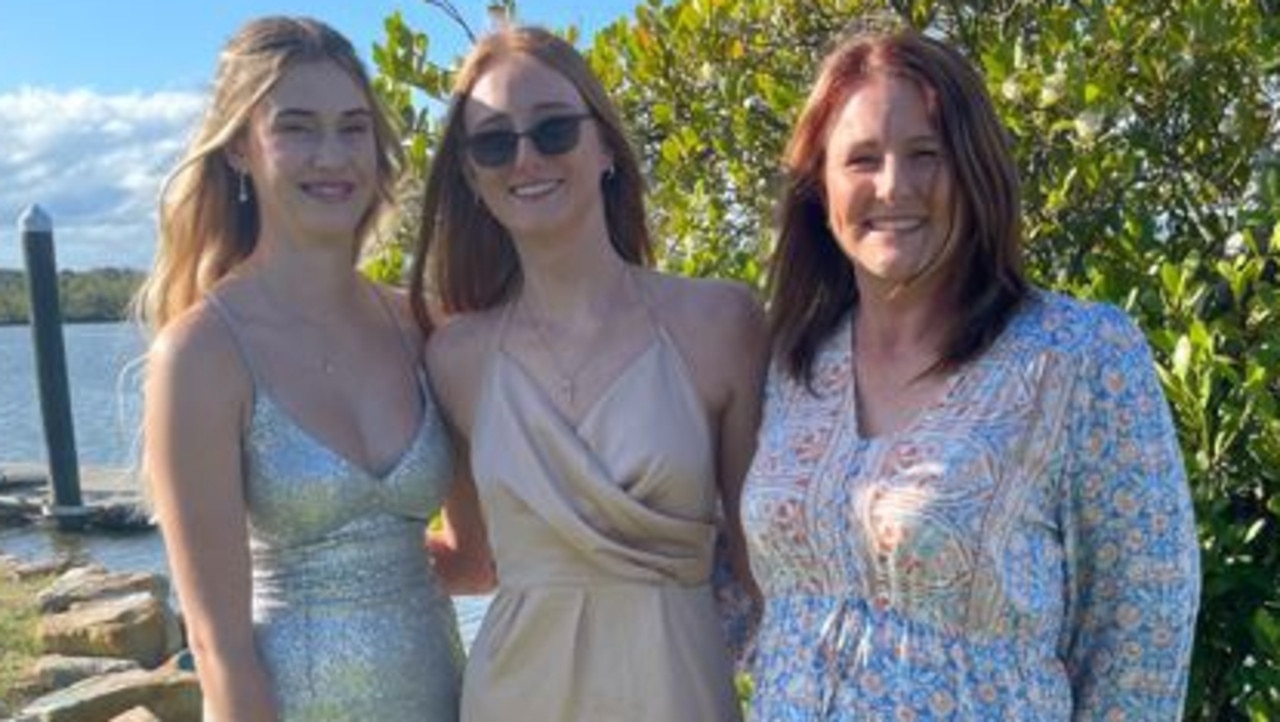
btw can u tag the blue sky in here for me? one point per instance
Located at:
(96, 99)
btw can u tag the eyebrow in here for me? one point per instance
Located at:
(497, 116)
(299, 113)
(915, 140)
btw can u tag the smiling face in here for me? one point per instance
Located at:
(550, 187)
(889, 188)
(310, 149)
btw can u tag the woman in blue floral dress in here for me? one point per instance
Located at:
(968, 501)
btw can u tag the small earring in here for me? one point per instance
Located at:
(608, 173)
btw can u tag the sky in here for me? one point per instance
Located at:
(98, 98)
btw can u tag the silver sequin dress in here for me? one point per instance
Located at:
(349, 621)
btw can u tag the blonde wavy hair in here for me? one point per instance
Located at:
(204, 230)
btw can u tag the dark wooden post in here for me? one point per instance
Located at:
(36, 229)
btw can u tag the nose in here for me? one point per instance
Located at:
(526, 151)
(330, 151)
(890, 178)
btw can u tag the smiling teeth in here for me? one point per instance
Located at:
(328, 190)
(533, 189)
(896, 224)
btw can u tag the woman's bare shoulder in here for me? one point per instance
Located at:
(198, 351)
(721, 311)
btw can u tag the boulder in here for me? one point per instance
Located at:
(44, 567)
(133, 626)
(169, 694)
(55, 671)
(85, 583)
(137, 714)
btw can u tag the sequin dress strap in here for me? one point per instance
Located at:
(237, 336)
(415, 361)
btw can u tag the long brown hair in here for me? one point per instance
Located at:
(811, 284)
(204, 230)
(475, 264)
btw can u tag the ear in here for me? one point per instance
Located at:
(236, 152)
(606, 157)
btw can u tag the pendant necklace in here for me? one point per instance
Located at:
(328, 362)
(566, 381)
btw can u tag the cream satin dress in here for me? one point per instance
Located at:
(602, 533)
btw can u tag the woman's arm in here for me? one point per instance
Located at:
(196, 394)
(744, 361)
(459, 547)
(1133, 578)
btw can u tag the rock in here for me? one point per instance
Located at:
(55, 671)
(57, 565)
(93, 582)
(15, 512)
(169, 695)
(137, 714)
(122, 517)
(134, 626)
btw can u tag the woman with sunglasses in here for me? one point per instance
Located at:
(607, 411)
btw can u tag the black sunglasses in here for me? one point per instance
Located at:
(555, 135)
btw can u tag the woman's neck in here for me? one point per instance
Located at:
(571, 280)
(907, 325)
(313, 282)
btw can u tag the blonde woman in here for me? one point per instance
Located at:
(294, 449)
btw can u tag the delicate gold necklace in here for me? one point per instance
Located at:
(566, 381)
(328, 359)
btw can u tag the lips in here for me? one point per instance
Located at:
(329, 191)
(898, 224)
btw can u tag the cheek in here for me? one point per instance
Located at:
(844, 203)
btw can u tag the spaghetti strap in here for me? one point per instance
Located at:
(395, 320)
(229, 320)
(414, 359)
(647, 302)
(501, 336)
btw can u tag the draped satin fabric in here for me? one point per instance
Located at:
(602, 532)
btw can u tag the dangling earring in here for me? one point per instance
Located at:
(243, 194)
(608, 174)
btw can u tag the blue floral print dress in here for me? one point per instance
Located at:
(1023, 549)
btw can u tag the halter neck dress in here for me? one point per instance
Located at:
(349, 621)
(602, 532)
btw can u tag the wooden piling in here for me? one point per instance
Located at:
(36, 230)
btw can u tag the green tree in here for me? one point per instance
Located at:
(98, 295)
(1148, 139)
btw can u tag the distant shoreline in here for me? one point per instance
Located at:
(68, 321)
(101, 295)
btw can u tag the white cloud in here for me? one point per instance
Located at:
(94, 162)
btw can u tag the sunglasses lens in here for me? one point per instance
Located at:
(493, 148)
(555, 136)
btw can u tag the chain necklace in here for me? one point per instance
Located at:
(566, 381)
(328, 359)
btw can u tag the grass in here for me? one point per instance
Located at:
(18, 647)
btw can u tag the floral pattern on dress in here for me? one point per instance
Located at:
(1023, 549)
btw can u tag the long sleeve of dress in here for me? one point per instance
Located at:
(1129, 533)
